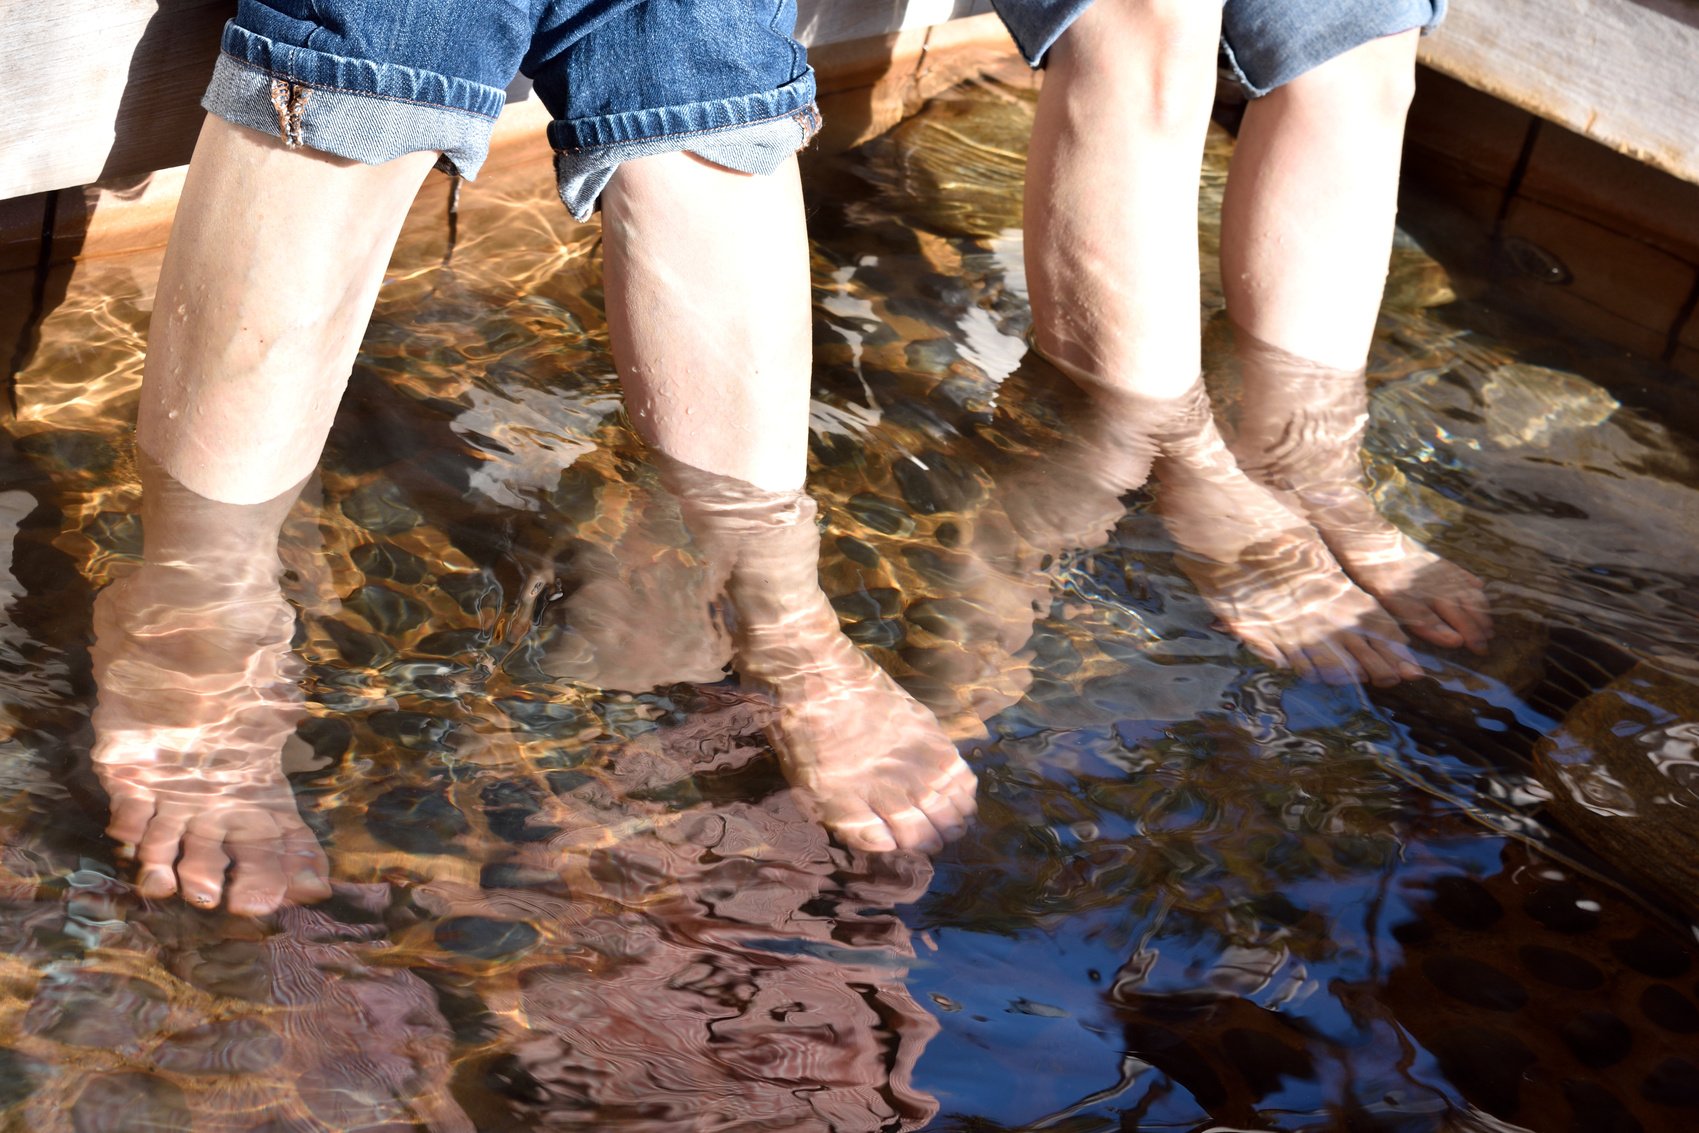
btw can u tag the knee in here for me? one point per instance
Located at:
(1388, 85)
(1155, 58)
(1374, 83)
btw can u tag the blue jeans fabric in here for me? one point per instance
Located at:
(373, 79)
(1267, 43)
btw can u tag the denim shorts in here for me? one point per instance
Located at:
(371, 80)
(1267, 43)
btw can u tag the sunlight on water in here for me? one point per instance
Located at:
(569, 886)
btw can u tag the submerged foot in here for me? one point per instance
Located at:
(876, 768)
(1301, 436)
(634, 622)
(197, 695)
(1264, 570)
(1286, 599)
(869, 761)
(1434, 599)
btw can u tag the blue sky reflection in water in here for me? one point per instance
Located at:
(1199, 893)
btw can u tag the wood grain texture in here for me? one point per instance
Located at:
(20, 231)
(101, 90)
(1572, 173)
(1618, 71)
(1455, 126)
(1612, 286)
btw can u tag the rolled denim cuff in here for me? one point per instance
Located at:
(351, 108)
(751, 134)
(1265, 48)
(1036, 26)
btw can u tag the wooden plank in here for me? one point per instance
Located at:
(20, 232)
(100, 90)
(1454, 125)
(1599, 281)
(1688, 337)
(17, 301)
(869, 85)
(1686, 361)
(837, 21)
(103, 220)
(1618, 71)
(1578, 175)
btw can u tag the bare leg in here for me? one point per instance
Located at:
(1111, 229)
(1306, 235)
(274, 262)
(1112, 194)
(708, 305)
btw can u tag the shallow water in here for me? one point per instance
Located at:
(1199, 894)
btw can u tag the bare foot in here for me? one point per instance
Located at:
(1301, 435)
(1263, 569)
(875, 766)
(197, 694)
(1436, 600)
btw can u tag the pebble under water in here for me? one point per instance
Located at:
(1200, 893)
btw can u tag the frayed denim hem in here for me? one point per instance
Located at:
(750, 146)
(299, 96)
(1266, 47)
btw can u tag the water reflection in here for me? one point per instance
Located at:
(1199, 891)
(869, 761)
(720, 974)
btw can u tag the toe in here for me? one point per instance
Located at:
(306, 868)
(1266, 650)
(257, 878)
(1379, 667)
(1299, 662)
(1381, 636)
(952, 818)
(854, 824)
(156, 856)
(200, 873)
(911, 828)
(130, 817)
(872, 835)
(1331, 662)
(962, 792)
(941, 813)
(1468, 616)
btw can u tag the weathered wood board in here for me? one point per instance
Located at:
(102, 89)
(1622, 72)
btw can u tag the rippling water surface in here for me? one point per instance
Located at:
(1200, 893)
